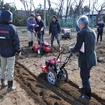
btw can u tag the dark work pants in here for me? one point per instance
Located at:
(99, 35)
(40, 37)
(57, 38)
(85, 76)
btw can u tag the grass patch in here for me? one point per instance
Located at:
(24, 30)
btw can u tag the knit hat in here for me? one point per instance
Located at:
(32, 14)
(39, 18)
(37, 14)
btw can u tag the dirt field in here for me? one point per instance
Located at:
(33, 90)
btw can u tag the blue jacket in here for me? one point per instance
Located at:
(77, 28)
(29, 24)
(9, 40)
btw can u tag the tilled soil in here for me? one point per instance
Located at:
(28, 75)
(46, 94)
(32, 62)
(17, 97)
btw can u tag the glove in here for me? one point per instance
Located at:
(18, 54)
(35, 33)
(37, 25)
(71, 48)
(42, 29)
(33, 25)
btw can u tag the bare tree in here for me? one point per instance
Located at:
(71, 11)
(99, 8)
(49, 4)
(85, 9)
(28, 5)
(59, 7)
(32, 4)
(25, 4)
(60, 10)
(68, 5)
(93, 7)
(78, 7)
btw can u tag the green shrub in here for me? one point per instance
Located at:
(23, 30)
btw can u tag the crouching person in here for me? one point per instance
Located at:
(9, 46)
(85, 45)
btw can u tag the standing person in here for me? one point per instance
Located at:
(54, 29)
(31, 24)
(85, 45)
(40, 29)
(100, 30)
(9, 46)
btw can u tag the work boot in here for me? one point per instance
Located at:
(88, 93)
(85, 94)
(3, 84)
(84, 98)
(60, 48)
(31, 43)
(10, 86)
(52, 46)
(81, 90)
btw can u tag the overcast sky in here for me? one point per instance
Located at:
(37, 2)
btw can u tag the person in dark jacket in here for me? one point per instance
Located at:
(31, 24)
(9, 46)
(85, 45)
(100, 30)
(54, 29)
(40, 29)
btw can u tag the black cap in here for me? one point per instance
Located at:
(32, 14)
(54, 16)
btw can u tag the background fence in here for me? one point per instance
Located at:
(71, 22)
